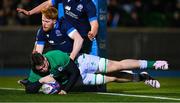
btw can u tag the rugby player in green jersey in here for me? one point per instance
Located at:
(56, 64)
(93, 69)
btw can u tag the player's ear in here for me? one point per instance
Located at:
(45, 58)
(54, 21)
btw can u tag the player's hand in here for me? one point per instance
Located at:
(46, 79)
(161, 65)
(62, 92)
(25, 12)
(91, 35)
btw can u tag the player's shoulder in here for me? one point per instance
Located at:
(54, 52)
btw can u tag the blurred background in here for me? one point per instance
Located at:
(139, 29)
(121, 13)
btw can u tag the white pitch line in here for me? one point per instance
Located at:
(141, 96)
(116, 94)
(20, 89)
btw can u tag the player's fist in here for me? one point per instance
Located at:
(91, 35)
(62, 92)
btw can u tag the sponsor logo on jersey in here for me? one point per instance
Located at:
(71, 14)
(60, 69)
(58, 33)
(47, 35)
(79, 7)
(51, 41)
(68, 12)
(68, 8)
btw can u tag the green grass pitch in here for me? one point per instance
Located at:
(121, 92)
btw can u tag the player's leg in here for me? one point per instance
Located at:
(136, 77)
(98, 79)
(96, 64)
(134, 64)
(148, 80)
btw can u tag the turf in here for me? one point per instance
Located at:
(170, 87)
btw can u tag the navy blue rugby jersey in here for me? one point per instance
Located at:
(58, 37)
(79, 13)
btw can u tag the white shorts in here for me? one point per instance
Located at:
(90, 66)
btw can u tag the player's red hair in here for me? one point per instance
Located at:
(50, 13)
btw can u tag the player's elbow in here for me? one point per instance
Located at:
(95, 24)
(79, 40)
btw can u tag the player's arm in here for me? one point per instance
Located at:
(91, 12)
(35, 10)
(94, 29)
(47, 79)
(38, 47)
(78, 41)
(75, 36)
(73, 72)
(40, 42)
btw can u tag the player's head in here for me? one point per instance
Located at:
(39, 63)
(49, 17)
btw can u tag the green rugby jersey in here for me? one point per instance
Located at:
(57, 59)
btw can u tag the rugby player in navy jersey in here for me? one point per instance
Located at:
(80, 13)
(59, 34)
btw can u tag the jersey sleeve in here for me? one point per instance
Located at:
(33, 77)
(68, 28)
(40, 39)
(90, 8)
(72, 70)
(55, 2)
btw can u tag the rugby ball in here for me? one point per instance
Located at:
(51, 88)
